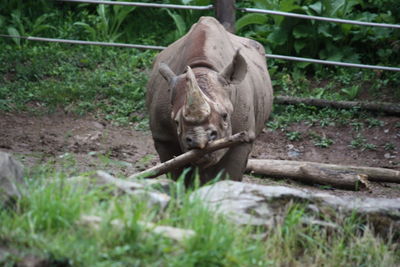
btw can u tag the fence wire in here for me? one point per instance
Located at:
(140, 4)
(153, 47)
(302, 16)
(251, 10)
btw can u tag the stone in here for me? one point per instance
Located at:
(11, 178)
(251, 204)
(177, 234)
(149, 195)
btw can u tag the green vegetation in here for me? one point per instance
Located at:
(46, 223)
(110, 83)
(79, 79)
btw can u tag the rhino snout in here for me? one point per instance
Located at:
(200, 141)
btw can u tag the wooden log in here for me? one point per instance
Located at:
(225, 14)
(191, 156)
(349, 177)
(389, 108)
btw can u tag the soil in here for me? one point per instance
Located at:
(89, 144)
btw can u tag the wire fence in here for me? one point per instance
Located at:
(209, 7)
(154, 47)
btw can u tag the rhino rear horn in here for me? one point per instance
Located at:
(167, 73)
(235, 71)
(196, 108)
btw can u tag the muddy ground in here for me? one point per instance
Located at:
(87, 143)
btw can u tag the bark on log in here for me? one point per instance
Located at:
(191, 156)
(389, 108)
(349, 177)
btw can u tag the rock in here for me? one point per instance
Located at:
(151, 196)
(177, 234)
(11, 178)
(161, 183)
(265, 205)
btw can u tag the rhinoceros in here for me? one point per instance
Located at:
(209, 84)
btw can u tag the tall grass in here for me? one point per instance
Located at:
(46, 223)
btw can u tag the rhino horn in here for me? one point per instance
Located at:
(196, 108)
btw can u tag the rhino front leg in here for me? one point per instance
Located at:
(167, 151)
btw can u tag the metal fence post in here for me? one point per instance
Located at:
(225, 13)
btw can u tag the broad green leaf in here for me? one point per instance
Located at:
(303, 31)
(332, 7)
(288, 5)
(324, 29)
(89, 29)
(317, 7)
(179, 22)
(249, 19)
(299, 45)
(278, 37)
(12, 31)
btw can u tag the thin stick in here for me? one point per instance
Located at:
(191, 156)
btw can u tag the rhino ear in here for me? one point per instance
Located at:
(167, 73)
(236, 70)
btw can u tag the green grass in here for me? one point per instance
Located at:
(45, 223)
(77, 79)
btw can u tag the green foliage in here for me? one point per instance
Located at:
(78, 79)
(360, 142)
(184, 19)
(47, 222)
(293, 136)
(106, 24)
(324, 40)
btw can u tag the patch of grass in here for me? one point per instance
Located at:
(293, 136)
(372, 122)
(389, 146)
(360, 142)
(46, 222)
(78, 79)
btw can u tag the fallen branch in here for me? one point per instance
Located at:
(389, 108)
(191, 156)
(349, 177)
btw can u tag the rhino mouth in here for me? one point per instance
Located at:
(210, 159)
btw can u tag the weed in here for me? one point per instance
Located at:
(360, 142)
(351, 92)
(372, 122)
(389, 146)
(323, 142)
(293, 136)
(357, 125)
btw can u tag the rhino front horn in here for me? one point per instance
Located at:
(196, 108)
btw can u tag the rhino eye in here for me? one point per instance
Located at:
(224, 116)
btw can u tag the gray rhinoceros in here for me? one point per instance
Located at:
(207, 85)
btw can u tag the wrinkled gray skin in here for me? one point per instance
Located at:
(205, 86)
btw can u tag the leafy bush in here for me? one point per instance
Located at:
(325, 40)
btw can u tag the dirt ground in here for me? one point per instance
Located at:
(93, 144)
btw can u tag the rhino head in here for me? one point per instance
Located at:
(201, 104)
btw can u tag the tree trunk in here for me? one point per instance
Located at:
(349, 177)
(225, 13)
(389, 108)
